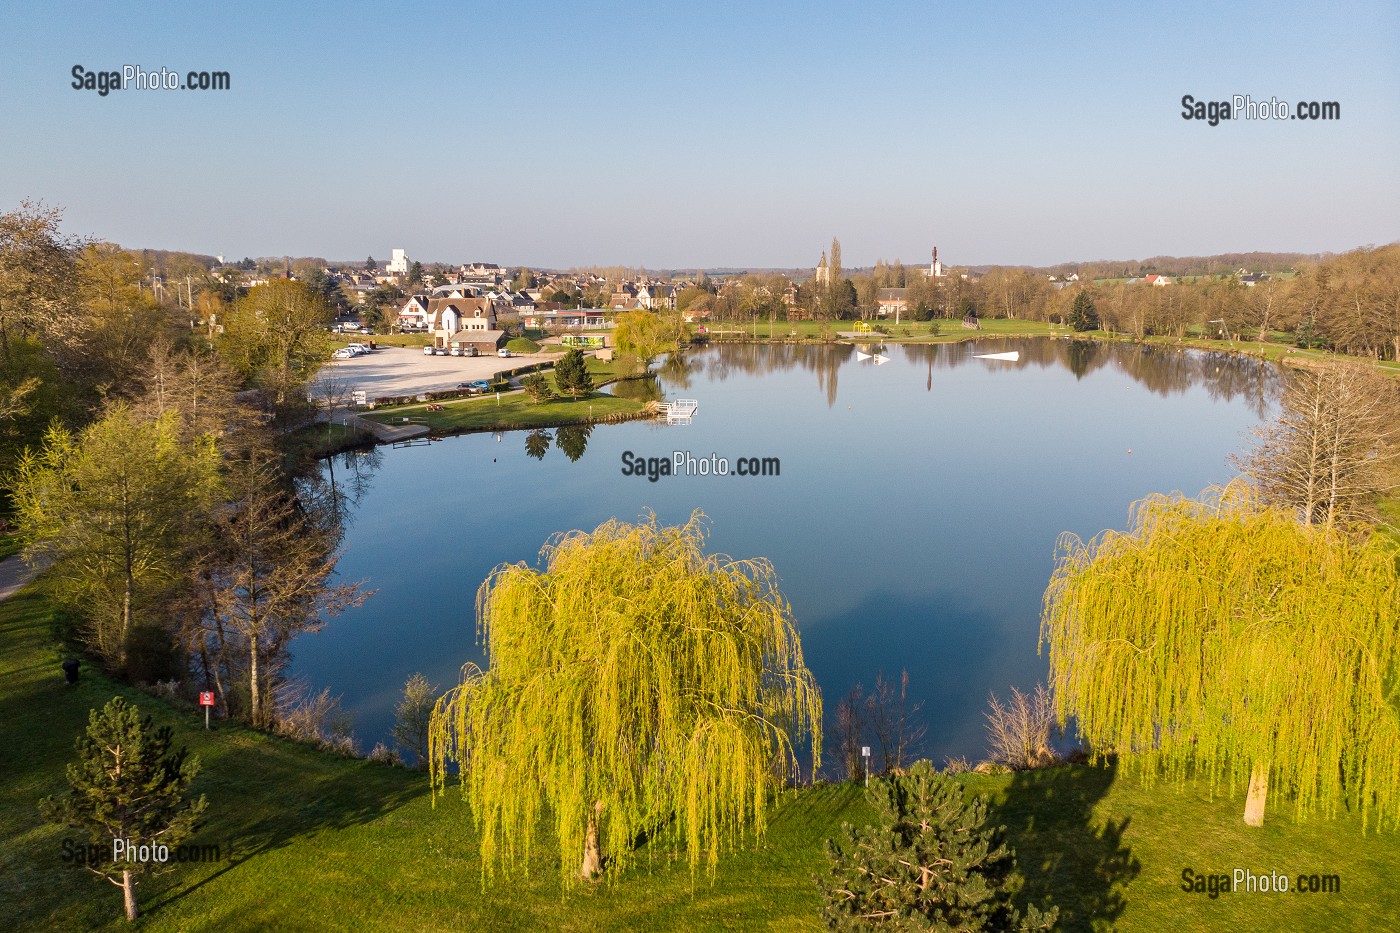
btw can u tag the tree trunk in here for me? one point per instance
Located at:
(1258, 792)
(254, 698)
(126, 616)
(592, 851)
(129, 895)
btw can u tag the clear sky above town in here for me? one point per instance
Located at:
(706, 135)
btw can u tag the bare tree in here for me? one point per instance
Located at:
(896, 726)
(1018, 732)
(271, 579)
(1333, 450)
(849, 730)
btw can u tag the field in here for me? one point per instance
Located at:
(312, 841)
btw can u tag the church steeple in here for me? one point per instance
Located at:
(823, 276)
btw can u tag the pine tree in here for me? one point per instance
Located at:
(538, 387)
(127, 785)
(932, 863)
(571, 374)
(1083, 315)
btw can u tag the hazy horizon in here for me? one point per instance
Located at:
(728, 135)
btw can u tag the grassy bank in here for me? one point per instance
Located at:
(515, 409)
(322, 439)
(512, 410)
(321, 842)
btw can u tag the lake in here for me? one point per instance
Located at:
(913, 524)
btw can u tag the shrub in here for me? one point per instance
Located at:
(958, 765)
(1019, 731)
(382, 754)
(316, 718)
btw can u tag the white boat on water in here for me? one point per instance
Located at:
(1012, 356)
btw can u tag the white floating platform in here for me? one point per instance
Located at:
(681, 411)
(1013, 356)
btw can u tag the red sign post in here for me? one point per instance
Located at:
(206, 700)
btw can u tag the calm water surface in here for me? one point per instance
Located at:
(913, 525)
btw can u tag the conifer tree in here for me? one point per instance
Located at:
(571, 374)
(127, 787)
(932, 863)
(538, 388)
(1082, 314)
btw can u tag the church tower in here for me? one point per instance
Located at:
(823, 276)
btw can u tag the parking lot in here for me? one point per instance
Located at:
(407, 371)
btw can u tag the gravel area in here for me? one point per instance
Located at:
(408, 371)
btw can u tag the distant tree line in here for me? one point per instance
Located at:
(1349, 303)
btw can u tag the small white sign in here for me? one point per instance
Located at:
(865, 751)
(358, 397)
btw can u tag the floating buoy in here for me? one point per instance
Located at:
(1130, 450)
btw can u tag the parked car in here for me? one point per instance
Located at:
(457, 351)
(344, 353)
(430, 351)
(503, 353)
(476, 386)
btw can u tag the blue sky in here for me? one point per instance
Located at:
(717, 134)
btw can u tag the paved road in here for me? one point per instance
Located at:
(14, 573)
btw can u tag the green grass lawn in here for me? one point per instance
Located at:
(321, 842)
(513, 410)
(522, 345)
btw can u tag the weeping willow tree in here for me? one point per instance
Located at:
(1223, 639)
(637, 687)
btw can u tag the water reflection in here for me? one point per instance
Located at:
(573, 440)
(330, 496)
(537, 443)
(753, 359)
(1162, 370)
(647, 390)
(680, 369)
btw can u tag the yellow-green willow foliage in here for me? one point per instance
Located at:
(1221, 638)
(636, 685)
